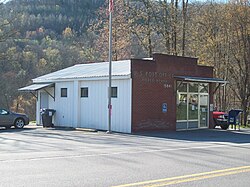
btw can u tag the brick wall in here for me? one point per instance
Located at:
(153, 84)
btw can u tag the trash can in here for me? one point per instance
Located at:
(47, 117)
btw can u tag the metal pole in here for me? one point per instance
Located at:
(110, 67)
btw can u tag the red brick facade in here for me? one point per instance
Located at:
(153, 84)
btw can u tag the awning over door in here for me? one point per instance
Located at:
(35, 87)
(201, 79)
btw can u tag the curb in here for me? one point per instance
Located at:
(61, 128)
(84, 129)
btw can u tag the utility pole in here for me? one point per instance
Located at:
(111, 7)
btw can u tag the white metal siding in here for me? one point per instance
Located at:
(51, 100)
(94, 109)
(64, 105)
(38, 103)
(121, 106)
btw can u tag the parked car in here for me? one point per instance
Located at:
(220, 119)
(9, 119)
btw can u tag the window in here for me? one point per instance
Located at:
(63, 92)
(3, 112)
(84, 92)
(193, 107)
(181, 86)
(181, 107)
(114, 92)
(203, 88)
(193, 87)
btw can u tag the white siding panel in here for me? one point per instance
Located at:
(51, 100)
(94, 109)
(64, 105)
(38, 103)
(121, 106)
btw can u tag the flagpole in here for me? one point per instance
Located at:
(110, 66)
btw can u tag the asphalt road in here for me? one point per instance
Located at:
(40, 157)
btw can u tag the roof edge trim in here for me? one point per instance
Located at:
(202, 79)
(35, 87)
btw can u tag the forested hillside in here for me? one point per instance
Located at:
(38, 37)
(54, 15)
(41, 36)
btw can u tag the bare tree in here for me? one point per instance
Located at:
(240, 50)
(184, 23)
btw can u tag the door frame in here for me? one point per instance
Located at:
(199, 112)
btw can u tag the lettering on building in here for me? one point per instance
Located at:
(153, 77)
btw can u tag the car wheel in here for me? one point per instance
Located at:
(19, 123)
(224, 127)
(215, 122)
(214, 126)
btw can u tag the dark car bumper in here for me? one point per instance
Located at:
(220, 122)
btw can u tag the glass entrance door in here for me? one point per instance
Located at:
(193, 111)
(192, 105)
(203, 111)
